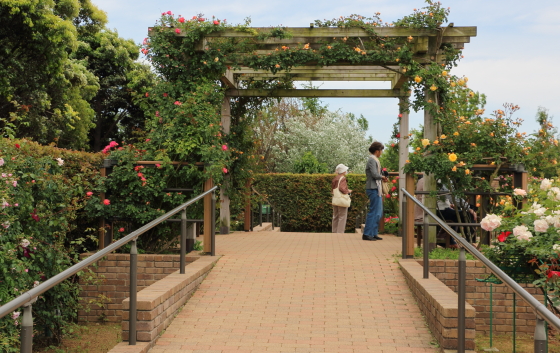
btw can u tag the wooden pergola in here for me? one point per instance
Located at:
(428, 46)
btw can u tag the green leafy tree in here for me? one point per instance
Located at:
(122, 81)
(542, 148)
(43, 90)
(308, 164)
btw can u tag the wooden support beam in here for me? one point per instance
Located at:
(326, 32)
(409, 231)
(228, 79)
(317, 93)
(225, 216)
(207, 238)
(332, 69)
(323, 77)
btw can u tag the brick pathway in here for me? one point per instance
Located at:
(300, 292)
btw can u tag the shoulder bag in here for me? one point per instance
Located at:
(340, 199)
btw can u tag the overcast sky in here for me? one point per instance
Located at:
(513, 59)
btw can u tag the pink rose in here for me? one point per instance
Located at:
(200, 19)
(541, 225)
(158, 165)
(216, 22)
(169, 13)
(519, 192)
(224, 147)
(106, 202)
(177, 103)
(224, 170)
(89, 193)
(121, 230)
(490, 222)
(181, 19)
(177, 30)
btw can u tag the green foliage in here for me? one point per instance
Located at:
(441, 254)
(122, 81)
(44, 92)
(542, 148)
(43, 229)
(310, 165)
(304, 200)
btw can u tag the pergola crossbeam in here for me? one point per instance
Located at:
(317, 93)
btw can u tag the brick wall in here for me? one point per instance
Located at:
(114, 281)
(439, 305)
(478, 295)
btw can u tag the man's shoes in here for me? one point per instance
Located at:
(364, 237)
(377, 238)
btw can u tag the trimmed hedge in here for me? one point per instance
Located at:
(304, 200)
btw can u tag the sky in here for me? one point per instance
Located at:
(513, 59)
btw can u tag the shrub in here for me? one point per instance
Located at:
(304, 200)
(42, 194)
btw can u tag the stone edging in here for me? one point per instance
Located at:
(439, 304)
(159, 303)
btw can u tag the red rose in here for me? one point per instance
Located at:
(177, 30)
(398, 135)
(216, 22)
(181, 19)
(147, 94)
(388, 196)
(503, 236)
(200, 19)
(553, 273)
(106, 202)
(17, 145)
(121, 230)
(393, 188)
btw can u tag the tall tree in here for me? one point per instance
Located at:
(43, 90)
(112, 60)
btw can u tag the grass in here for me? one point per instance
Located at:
(523, 343)
(90, 338)
(441, 254)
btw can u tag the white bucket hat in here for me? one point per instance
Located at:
(341, 168)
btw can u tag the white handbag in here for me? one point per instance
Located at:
(340, 199)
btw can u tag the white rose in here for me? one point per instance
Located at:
(519, 229)
(541, 225)
(25, 243)
(60, 161)
(546, 184)
(525, 236)
(520, 192)
(554, 193)
(540, 211)
(491, 222)
(556, 247)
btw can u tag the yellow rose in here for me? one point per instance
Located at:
(455, 133)
(454, 169)
(443, 137)
(467, 171)
(425, 142)
(452, 157)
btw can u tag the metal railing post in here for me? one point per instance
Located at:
(213, 231)
(273, 219)
(260, 215)
(403, 228)
(426, 244)
(183, 241)
(26, 335)
(133, 293)
(540, 336)
(462, 298)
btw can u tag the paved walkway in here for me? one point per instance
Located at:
(300, 292)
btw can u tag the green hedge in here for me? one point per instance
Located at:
(304, 200)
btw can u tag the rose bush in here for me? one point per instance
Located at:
(530, 237)
(43, 229)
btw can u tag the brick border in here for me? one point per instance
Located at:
(159, 303)
(439, 305)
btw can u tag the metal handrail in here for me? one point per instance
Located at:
(32, 294)
(540, 308)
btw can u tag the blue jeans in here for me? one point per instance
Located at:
(374, 214)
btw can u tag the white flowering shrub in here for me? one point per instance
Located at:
(530, 238)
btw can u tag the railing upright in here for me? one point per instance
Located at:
(426, 245)
(26, 335)
(404, 228)
(133, 293)
(182, 263)
(462, 299)
(213, 232)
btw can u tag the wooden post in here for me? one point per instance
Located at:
(208, 184)
(101, 237)
(409, 231)
(403, 146)
(225, 215)
(247, 221)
